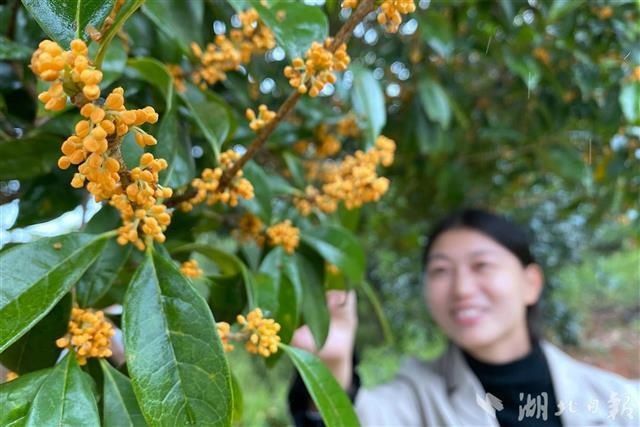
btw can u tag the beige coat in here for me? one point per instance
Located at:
(445, 392)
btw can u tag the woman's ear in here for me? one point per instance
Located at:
(534, 278)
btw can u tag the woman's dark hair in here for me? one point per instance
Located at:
(510, 235)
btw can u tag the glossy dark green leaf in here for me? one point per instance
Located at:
(436, 30)
(211, 114)
(261, 203)
(229, 264)
(368, 102)
(313, 305)
(29, 157)
(12, 51)
(97, 280)
(120, 407)
(175, 147)
(339, 247)
(154, 72)
(64, 21)
(37, 348)
(174, 356)
(66, 398)
(47, 197)
(179, 20)
(128, 8)
(227, 296)
(115, 61)
(435, 101)
(40, 273)
(330, 399)
(16, 397)
(295, 25)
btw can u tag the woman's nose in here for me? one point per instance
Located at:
(463, 282)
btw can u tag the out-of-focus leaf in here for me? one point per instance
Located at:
(40, 273)
(12, 51)
(314, 308)
(435, 101)
(295, 25)
(120, 406)
(329, 397)
(562, 161)
(29, 157)
(526, 68)
(114, 63)
(630, 101)
(175, 147)
(16, 397)
(211, 114)
(68, 20)
(47, 197)
(97, 280)
(238, 402)
(368, 102)
(560, 8)
(154, 72)
(65, 398)
(437, 32)
(174, 356)
(178, 19)
(37, 348)
(338, 247)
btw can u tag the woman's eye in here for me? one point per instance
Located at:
(479, 266)
(437, 271)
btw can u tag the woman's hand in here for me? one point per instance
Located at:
(337, 352)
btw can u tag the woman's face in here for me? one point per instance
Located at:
(478, 291)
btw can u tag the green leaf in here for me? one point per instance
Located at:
(95, 283)
(210, 113)
(16, 397)
(174, 355)
(12, 51)
(179, 20)
(175, 147)
(368, 102)
(630, 101)
(154, 72)
(127, 9)
(68, 20)
(435, 101)
(294, 24)
(47, 197)
(40, 273)
(330, 399)
(37, 348)
(114, 63)
(437, 32)
(339, 247)
(65, 398)
(29, 157)
(561, 7)
(314, 308)
(562, 160)
(120, 405)
(238, 403)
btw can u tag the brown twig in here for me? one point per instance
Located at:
(342, 36)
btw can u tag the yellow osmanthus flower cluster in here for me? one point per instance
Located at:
(95, 145)
(262, 333)
(391, 11)
(264, 116)
(224, 332)
(208, 184)
(68, 71)
(178, 77)
(89, 335)
(284, 234)
(190, 268)
(353, 180)
(229, 53)
(313, 198)
(250, 227)
(326, 143)
(348, 126)
(318, 68)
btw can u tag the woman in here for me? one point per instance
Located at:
(482, 287)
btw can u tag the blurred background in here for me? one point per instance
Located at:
(528, 107)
